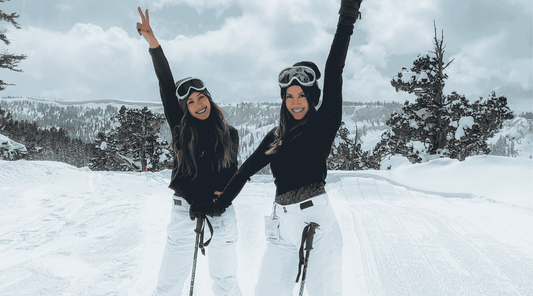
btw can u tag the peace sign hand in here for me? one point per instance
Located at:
(145, 30)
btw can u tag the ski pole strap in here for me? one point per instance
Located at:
(200, 230)
(307, 238)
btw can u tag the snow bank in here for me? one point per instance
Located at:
(497, 178)
(11, 145)
(10, 149)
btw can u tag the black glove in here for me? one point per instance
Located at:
(350, 8)
(206, 208)
(191, 215)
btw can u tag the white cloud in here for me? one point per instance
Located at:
(241, 60)
(81, 62)
(199, 5)
(366, 84)
(485, 65)
(396, 28)
(240, 56)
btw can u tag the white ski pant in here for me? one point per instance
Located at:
(179, 252)
(279, 265)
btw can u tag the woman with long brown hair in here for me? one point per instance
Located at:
(205, 148)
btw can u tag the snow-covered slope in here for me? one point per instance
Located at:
(439, 228)
(520, 131)
(10, 149)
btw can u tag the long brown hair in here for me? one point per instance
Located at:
(284, 131)
(187, 136)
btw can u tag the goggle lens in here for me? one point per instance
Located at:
(304, 75)
(183, 90)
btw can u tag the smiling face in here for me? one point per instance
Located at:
(296, 102)
(199, 105)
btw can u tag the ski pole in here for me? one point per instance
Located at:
(198, 230)
(307, 236)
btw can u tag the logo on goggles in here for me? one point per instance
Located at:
(304, 75)
(183, 89)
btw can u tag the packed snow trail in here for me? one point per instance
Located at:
(69, 231)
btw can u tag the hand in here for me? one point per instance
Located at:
(206, 208)
(145, 30)
(350, 8)
(217, 193)
(191, 215)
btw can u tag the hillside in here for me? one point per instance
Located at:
(84, 120)
(253, 120)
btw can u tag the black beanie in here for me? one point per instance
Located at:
(183, 102)
(310, 65)
(312, 92)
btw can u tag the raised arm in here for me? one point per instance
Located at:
(167, 88)
(331, 108)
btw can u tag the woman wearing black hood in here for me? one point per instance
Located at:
(205, 149)
(297, 151)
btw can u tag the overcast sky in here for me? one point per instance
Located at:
(85, 50)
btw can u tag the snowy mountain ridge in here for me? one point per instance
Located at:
(253, 120)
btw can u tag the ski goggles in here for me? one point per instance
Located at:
(304, 75)
(188, 85)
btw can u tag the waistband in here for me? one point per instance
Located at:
(301, 193)
(308, 203)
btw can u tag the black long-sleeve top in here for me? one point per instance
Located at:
(299, 166)
(208, 180)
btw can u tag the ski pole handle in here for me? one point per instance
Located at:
(310, 236)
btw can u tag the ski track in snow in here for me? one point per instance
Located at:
(68, 231)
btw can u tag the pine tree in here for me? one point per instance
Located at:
(105, 156)
(8, 60)
(433, 121)
(347, 154)
(133, 143)
(426, 79)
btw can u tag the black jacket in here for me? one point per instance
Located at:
(207, 181)
(299, 166)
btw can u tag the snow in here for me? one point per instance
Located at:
(11, 145)
(519, 130)
(422, 113)
(440, 228)
(408, 76)
(464, 122)
(423, 77)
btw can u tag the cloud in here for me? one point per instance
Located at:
(365, 83)
(241, 60)
(80, 63)
(239, 46)
(484, 65)
(391, 28)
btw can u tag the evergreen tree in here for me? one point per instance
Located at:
(105, 156)
(133, 143)
(433, 121)
(347, 154)
(8, 60)
(44, 144)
